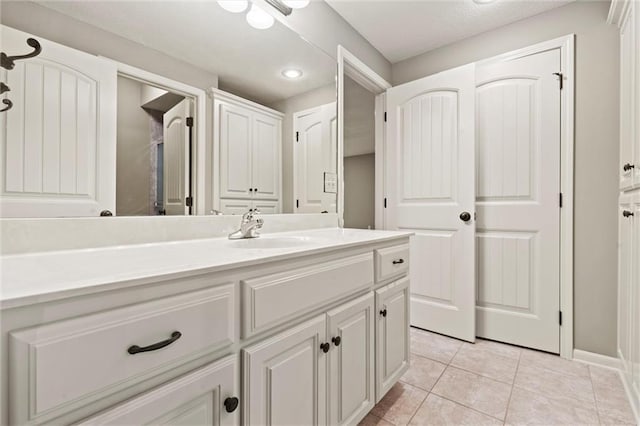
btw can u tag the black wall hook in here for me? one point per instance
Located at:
(8, 104)
(3, 88)
(8, 62)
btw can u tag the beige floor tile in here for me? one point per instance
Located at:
(498, 348)
(433, 346)
(399, 404)
(553, 362)
(371, 420)
(608, 421)
(554, 384)
(611, 397)
(474, 391)
(423, 373)
(605, 377)
(439, 411)
(481, 360)
(529, 408)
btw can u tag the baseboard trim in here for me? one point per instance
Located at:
(597, 359)
(634, 399)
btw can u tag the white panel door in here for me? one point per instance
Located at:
(285, 377)
(315, 153)
(235, 133)
(518, 187)
(266, 157)
(235, 206)
(351, 361)
(392, 335)
(430, 184)
(59, 140)
(176, 159)
(197, 398)
(629, 159)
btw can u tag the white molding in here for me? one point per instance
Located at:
(599, 360)
(245, 103)
(617, 11)
(350, 65)
(200, 118)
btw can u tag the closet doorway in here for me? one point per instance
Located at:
(481, 164)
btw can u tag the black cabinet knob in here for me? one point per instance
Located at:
(231, 403)
(250, 189)
(325, 347)
(628, 167)
(336, 340)
(465, 216)
(627, 213)
(104, 213)
(383, 312)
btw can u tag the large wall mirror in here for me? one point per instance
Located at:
(252, 125)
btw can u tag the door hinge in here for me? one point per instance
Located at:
(560, 199)
(385, 203)
(189, 121)
(560, 78)
(385, 116)
(297, 204)
(560, 317)
(189, 201)
(297, 136)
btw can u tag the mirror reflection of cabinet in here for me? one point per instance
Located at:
(248, 140)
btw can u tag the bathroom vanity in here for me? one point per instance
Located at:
(304, 327)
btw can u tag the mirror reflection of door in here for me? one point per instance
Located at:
(152, 165)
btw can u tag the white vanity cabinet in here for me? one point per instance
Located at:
(313, 339)
(247, 152)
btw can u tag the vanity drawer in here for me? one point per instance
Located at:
(392, 261)
(274, 299)
(58, 367)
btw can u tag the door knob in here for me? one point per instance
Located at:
(627, 213)
(465, 216)
(383, 312)
(628, 167)
(106, 213)
(325, 347)
(231, 403)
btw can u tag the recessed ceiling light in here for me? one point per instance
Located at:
(483, 1)
(292, 73)
(259, 19)
(296, 4)
(234, 6)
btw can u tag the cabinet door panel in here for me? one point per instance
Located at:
(392, 331)
(237, 207)
(266, 157)
(351, 364)
(194, 399)
(285, 377)
(624, 290)
(266, 207)
(235, 150)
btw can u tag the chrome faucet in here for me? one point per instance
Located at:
(249, 226)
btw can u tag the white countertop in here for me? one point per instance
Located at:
(40, 277)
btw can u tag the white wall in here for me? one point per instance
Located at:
(314, 98)
(359, 119)
(359, 191)
(596, 148)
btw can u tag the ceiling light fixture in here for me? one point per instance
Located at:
(234, 6)
(296, 4)
(292, 73)
(259, 19)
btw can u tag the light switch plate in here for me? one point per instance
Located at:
(330, 183)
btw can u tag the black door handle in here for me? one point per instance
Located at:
(137, 349)
(627, 213)
(628, 167)
(231, 403)
(465, 216)
(325, 347)
(336, 340)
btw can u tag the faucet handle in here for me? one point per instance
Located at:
(250, 214)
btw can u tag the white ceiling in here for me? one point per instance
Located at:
(402, 29)
(248, 62)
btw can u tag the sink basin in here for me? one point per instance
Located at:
(271, 242)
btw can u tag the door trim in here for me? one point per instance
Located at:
(350, 65)
(199, 97)
(566, 44)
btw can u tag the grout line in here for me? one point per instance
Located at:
(466, 406)
(513, 384)
(594, 396)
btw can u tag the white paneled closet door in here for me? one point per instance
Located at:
(517, 190)
(59, 140)
(431, 191)
(176, 158)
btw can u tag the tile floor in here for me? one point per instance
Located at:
(451, 382)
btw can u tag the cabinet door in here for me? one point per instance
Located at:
(266, 157)
(235, 206)
(392, 334)
(203, 397)
(627, 100)
(351, 361)
(234, 132)
(266, 207)
(625, 257)
(635, 299)
(285, 377)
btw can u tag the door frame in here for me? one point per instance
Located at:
(350, 65)
(199, 97)
(566, 44)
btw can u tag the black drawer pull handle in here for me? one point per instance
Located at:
(325, 347)
(136, 349)
(383, 312)
(336, 340)
(398, 261)
(231, 403)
